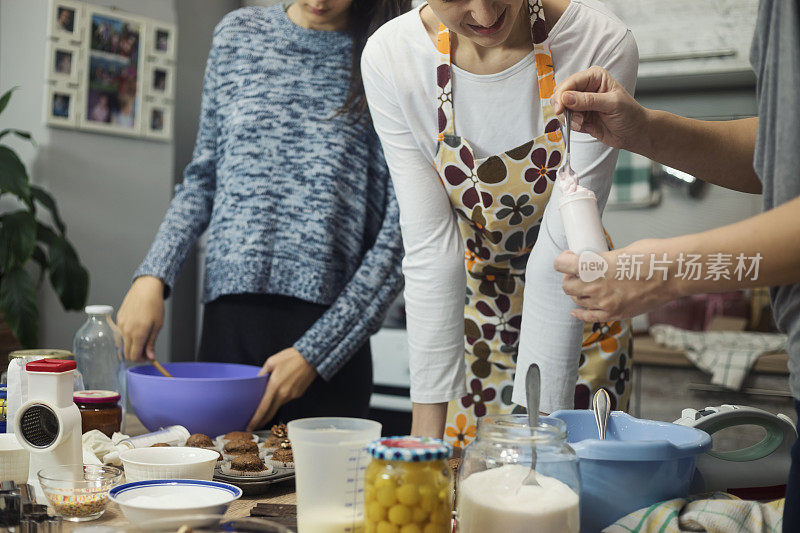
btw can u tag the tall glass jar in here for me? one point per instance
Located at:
(491, 494)
(98, 351)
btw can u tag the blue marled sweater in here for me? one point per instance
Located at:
(295, 202)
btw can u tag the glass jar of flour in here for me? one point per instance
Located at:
(490, 491)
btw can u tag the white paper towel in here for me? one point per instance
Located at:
(99, 449)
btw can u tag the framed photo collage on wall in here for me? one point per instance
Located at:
(109, 71)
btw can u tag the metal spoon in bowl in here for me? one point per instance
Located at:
(533, 382)
(601, 404)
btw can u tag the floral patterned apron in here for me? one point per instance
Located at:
(499, 202)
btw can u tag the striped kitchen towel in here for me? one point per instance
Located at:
(715, 513)
(726, 355)
(633, 183)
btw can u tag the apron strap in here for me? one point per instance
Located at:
(544, 73)
(544, 67)
(444, 83)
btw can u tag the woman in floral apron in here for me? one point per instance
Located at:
(500, 200)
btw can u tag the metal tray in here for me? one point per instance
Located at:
(255, 485)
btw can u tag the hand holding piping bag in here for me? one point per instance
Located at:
(602, 108)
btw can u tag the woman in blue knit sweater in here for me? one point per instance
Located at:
(289, 181)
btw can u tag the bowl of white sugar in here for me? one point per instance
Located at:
(202, 501)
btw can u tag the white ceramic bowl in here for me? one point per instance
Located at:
(14, 459)
(142, 464)
(143, 501)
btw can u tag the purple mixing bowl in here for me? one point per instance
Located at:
(209, 398)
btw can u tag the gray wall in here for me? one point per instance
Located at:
(678, 214)
(112, 191)
(196, 21)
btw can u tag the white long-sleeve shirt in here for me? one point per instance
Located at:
(495, 113)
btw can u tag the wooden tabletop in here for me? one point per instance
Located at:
(113, 517)
(280, 493)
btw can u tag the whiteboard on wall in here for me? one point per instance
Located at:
(692, 43)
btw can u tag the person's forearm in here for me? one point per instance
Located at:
(719, 152)
(773, 235)
(428, 419)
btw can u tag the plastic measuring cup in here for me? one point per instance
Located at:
(330, 458)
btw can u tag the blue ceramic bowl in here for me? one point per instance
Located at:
(209, 398)
(641, 462)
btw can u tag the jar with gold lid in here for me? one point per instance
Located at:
(42, 353)
(408, 486)
(26, 356)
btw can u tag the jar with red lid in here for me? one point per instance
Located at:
(99, 410)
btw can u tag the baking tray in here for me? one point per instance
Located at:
(255, 485)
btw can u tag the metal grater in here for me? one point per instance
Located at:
(39, 426)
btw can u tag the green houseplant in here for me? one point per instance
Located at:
(24, 239)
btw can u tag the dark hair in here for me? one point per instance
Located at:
(366, 16)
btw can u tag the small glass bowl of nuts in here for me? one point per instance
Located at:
(79, 492)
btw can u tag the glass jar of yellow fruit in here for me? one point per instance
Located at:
(408, 486)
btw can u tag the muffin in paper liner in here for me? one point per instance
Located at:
(199, 440)
(239, 447)
(277, 434)
(229, 457)
(284, 459)
(279, 464)
(273, 444)
(221, 440)
(228, 468)
(264, 449)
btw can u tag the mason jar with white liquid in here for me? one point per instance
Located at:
(491, 495)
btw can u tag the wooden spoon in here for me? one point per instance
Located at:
(161, 369)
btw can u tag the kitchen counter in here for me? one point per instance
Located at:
(646, 351)
(113, 518)
(665, 381)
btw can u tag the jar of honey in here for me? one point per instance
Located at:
(99, 410)
(408, 486)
